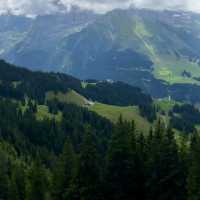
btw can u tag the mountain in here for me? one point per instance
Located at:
(137, 41)
(157, 51)
(12, 31)
(35, 42)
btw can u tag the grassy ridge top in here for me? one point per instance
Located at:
(69, 97)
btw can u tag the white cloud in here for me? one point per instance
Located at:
(189, 5)
(28, 7)
(100, 6)
(35, 7)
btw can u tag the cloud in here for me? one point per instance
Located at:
(188, 5)
(100, 6)
(41, 7)
(27, 7)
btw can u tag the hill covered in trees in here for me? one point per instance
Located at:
(74, 153)
(20, 83)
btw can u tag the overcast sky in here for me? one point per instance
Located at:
(35, 7)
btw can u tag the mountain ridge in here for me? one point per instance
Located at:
(154, 50)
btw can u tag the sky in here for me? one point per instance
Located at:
(41, 7)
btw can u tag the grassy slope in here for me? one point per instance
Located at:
(170, 70)
(69, 97)
(165, 105)
(43, 113)
(167, 68)
(128, 113)
(110, 112)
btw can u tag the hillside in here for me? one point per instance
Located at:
(53, 128)
(51, 91)
(20, 83)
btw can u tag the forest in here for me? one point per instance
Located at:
(83, 156)
(86, 157)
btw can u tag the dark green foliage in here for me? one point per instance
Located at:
(148, 111)
(74, 120)
(194, 169)
(120, 172)
(64, 173)
(4, 176)
(34, 84)
(185, 117)
(117, 93)
(121, 94)
(19, 83)
(7, 90)
(130, 166)
(83, 156)
(17, 182)
(37, 185)
(164, 166)
(86, 185)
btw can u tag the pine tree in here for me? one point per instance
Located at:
(4, 178)
(88, 178)
(37, 182)
(164, 167)
(140, 159)
(17, 183)
(194, 169)
(64, 173)
(120, 172)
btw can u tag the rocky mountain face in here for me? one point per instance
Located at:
(36, 42)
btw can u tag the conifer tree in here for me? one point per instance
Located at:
(120, 171)
(4, 178)
(64, 173)
(17, 183)
(88, 178)
(194, 169)
(36, 185)
(164, 167)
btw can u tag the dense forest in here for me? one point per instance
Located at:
(86, 157)
(184, 117)
(83, 156)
